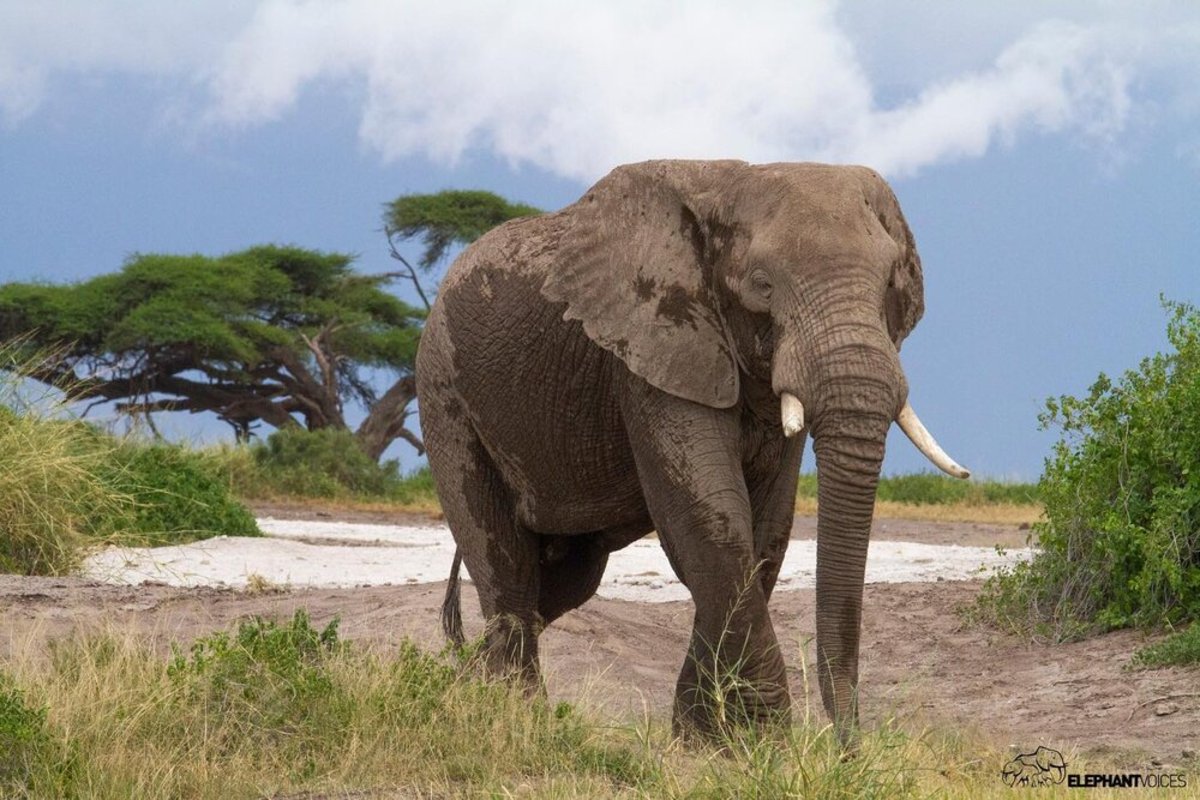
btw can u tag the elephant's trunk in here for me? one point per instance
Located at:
(849, 456)
(851, 388)
(846, 383)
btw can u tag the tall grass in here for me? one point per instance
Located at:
(67, 486)
(274, 709)
(53, 494)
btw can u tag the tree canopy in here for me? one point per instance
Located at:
(266, 334)
(448, 218)
(274, 335)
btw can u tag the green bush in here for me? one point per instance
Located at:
(325, 463)
(180, 496)
(931, 488)
(26, 744)
(269, 686)
(283, 693)
(417, 488)
(321, 463)
(1120, 543)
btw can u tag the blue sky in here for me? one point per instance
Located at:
(1047, 156)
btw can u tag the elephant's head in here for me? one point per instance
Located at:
(800, 277)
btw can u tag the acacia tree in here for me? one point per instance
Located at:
(272, 335)
(269, 334)
(442, 220)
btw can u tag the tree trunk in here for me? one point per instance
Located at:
(386, 421)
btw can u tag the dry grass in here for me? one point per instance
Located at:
(322, 506)
(305, 716)
(996, 513)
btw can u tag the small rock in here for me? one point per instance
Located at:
(324, 514)
(1156, 762)
(1024, 526)
(1165, 709)
(1189, 754)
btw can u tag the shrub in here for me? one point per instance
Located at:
(321, 463)
(325, 463)
(417, 488)
(1120, 543)
(26, 745)
(269, 687)
(67, 486)
(181, 496)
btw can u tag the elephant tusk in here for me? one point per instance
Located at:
(910, 423)
(792, 412)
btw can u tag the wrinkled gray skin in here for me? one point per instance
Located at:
(614, 368)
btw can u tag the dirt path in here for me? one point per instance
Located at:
(919, 663)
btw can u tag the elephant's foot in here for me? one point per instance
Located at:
(510, 651)
(713, 707)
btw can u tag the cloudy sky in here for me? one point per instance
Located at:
(1047, 154)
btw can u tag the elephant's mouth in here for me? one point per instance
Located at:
(791, 412)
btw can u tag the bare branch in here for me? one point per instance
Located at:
(410, 273)
(411, 438)
(386, 419)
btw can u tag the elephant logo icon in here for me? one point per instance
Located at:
(1042, 767)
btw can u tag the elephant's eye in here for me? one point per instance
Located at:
(760, 284)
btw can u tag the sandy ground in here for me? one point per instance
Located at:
(920, 663)
(327, 553)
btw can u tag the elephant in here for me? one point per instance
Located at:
(652, 358)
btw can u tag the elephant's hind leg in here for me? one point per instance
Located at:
(501, 555)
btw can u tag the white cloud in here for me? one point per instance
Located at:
(576, 88)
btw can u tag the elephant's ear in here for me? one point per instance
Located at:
(904, 300)
(635, 267)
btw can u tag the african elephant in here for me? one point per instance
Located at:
(652, 358)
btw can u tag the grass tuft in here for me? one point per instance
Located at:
(1179, 649)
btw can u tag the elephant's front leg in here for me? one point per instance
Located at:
(771, 477)
(689, 462)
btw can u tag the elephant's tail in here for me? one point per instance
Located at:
(452, 604)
